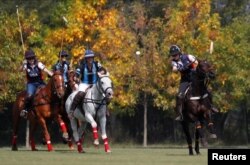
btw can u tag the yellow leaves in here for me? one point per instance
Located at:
(78, 51)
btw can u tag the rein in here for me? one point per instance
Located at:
(100, 91)
(206, 81)
(44, 95)
(54, 86)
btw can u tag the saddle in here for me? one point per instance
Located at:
(82, 98)
(188, 94)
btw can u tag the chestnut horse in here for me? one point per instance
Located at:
(46, 105)
(197, 105)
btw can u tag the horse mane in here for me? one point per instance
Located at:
(57, 72)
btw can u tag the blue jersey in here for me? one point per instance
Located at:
(63, 68)
(88, 75)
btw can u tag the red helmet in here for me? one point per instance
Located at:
(29, 54)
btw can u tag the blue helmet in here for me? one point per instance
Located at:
(89, 53)
(174, 49)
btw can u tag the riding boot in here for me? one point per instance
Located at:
(179, 105)
(77, 100)
(212, 107)
(27, 107)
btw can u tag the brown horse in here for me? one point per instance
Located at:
(46, 104)
(197, 105)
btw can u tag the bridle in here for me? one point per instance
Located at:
(101, 91)
(55, 85)
(205, 77)
(100, 88)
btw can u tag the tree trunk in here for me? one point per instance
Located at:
(246, 118)
(145, 131)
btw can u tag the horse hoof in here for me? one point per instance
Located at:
(81, 152)
(213, 136)
(14, 148)
(204, 142)
(96, 142)
(65, 141)
(108, 151)
(65, 135)
(34, 149)
(71, 148)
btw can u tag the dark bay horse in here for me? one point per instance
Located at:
(197, 105)
(71, 86)
(46, 105)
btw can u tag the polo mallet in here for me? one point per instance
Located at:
(20, 28)
(211, 49)
(21, 35)
(65, 23)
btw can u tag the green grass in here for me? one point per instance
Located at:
(119, 156)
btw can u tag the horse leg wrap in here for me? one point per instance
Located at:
(33, 145)
(70, 144)
(63, 127)
(79, 146)
(95, 133)
(14, 139)
(106, 145)
(95, 136)
(49, 145)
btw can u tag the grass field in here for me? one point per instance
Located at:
(93, 156)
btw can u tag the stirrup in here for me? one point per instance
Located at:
(179, 118)
(214, 110)
(24, 114)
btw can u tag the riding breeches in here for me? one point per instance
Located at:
(83, 86)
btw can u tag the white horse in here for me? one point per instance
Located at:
(94, 103)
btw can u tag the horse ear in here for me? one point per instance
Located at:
(107, 74)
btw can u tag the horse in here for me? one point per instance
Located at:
(45, 105)
(71, 86)
(197, 105)
(95, 102)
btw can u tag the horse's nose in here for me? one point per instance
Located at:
(61, 94)
(109, 93)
